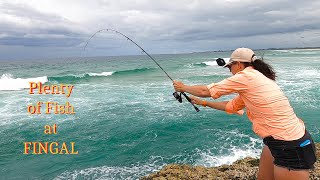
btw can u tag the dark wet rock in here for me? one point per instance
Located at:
(244, 169)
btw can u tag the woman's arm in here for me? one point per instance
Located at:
(216, 105)
(200, 91)
(236, 106)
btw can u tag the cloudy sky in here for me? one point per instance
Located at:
(59, 28)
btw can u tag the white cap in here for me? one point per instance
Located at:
(242, 55)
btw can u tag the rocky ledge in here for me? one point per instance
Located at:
(242, 169)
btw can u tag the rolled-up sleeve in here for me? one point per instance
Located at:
(234, 84)
(235, 106)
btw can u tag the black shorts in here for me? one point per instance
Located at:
(295, 155)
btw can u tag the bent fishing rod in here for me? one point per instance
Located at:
(175, 94)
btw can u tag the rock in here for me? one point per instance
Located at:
(315, 174)
(244, 169)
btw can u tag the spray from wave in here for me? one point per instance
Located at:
(88, 76)
(204, 157)
(234, 153)
(210, 63)
(101, 74)
(77, 78)
(134, 171)
(9, 83)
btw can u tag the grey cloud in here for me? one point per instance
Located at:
(205, 24)
(40, 42)
(246, 21)
(55, 31)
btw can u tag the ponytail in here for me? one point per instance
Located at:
(263, 67)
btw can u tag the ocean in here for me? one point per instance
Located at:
(127, 124)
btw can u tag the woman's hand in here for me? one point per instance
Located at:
(178, 86)
(195, 100)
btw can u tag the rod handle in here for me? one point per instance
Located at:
(195, 107)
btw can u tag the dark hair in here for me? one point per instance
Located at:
(262, 67)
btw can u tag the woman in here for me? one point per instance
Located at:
(289, 151)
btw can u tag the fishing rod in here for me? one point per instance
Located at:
(175, 94)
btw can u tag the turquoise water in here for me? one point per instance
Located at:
(127, 123)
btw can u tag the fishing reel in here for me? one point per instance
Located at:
(179, 98)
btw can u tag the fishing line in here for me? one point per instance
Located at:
(175, 94)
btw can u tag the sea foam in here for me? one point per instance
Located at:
(101, 74)
(9, 83)
(209, 159)
(214, 63)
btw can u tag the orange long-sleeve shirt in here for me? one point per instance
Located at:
(267, 107)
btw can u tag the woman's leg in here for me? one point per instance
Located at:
(266, 165)
(284, 173)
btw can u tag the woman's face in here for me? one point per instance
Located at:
(233, 67)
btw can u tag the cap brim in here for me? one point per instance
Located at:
(228, 64)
